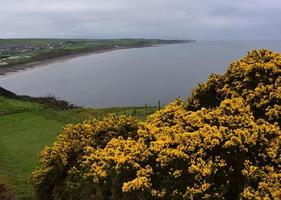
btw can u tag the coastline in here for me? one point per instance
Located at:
(41, 63)
(21, 67)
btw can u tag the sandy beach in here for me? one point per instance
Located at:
(41, 63)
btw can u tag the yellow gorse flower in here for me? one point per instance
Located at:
(222, 143)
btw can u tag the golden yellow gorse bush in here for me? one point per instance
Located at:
(256, 78)
(222, 143)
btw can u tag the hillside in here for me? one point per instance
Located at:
(28, 124)
(222, 143)
(18, 54)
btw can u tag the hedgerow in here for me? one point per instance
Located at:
(222, 143)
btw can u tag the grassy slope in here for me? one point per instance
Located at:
(23, 133)
(25, 128)
(22, 136)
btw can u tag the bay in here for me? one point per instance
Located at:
(132, 76)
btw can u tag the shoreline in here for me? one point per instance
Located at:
(22, 67)
(44, 62)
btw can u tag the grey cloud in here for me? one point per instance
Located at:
(200, 19)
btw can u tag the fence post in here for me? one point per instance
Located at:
(159, 105)
(134, 111)
(145, 109)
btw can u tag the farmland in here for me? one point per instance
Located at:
(16, 52)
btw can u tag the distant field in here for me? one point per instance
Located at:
(29, 41)
(24, 51)
(46, 41)
(27, 127)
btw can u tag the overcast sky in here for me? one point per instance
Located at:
(174, 19)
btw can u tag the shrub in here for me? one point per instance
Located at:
(222, 143)
(256, 78)
(54, 178)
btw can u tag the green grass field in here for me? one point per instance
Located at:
(26, 127)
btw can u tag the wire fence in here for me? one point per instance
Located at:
(137, 111)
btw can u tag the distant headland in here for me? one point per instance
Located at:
(19, 54)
